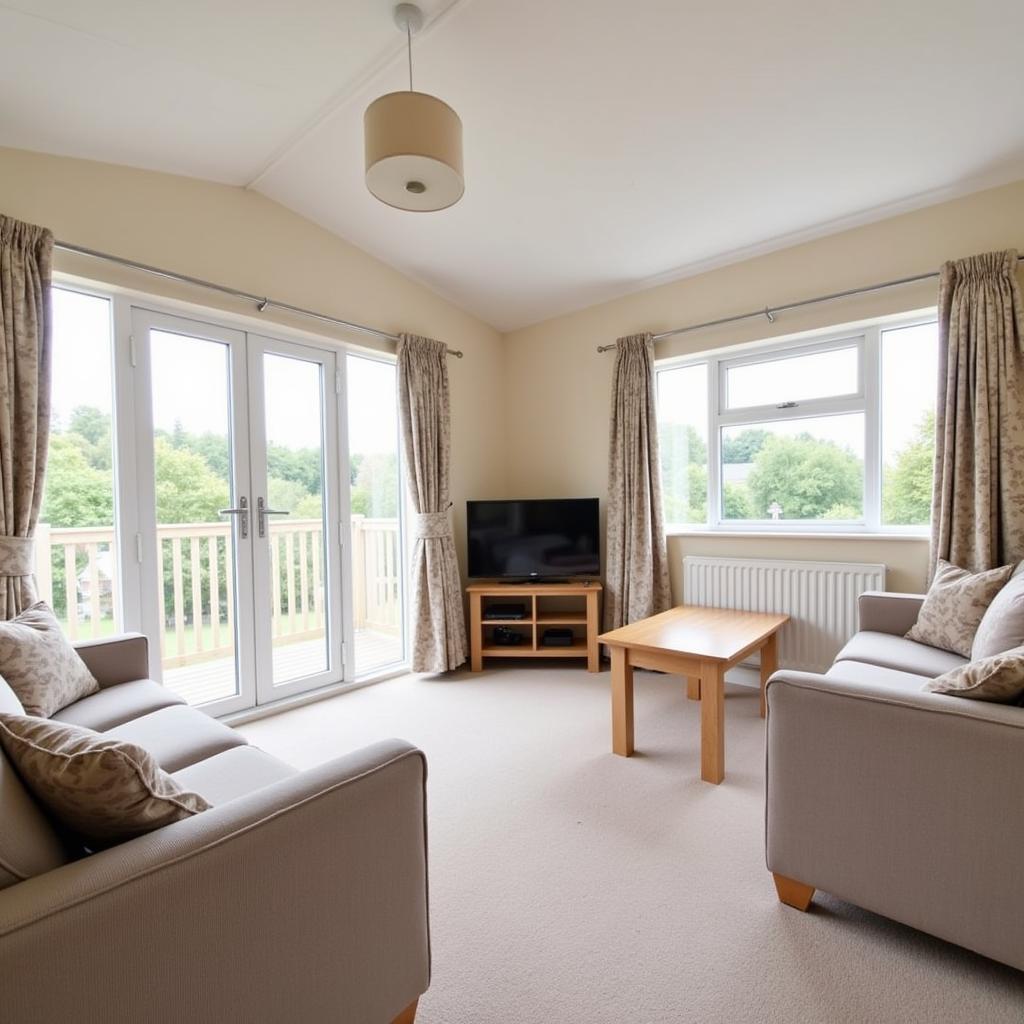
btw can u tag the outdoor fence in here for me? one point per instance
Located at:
(77, 574)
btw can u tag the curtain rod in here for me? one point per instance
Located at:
(262, 302)
(769, 311)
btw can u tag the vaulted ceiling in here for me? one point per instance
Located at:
(608, 145)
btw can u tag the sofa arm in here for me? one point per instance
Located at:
(897, 802)
(888, 612)
(304, 901)
(116, 659)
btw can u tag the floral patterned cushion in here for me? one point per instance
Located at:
(999, 678)
(102, 789)
(954, 606)
(39, 663)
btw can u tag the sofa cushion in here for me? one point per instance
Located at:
(40, 664)
(29, 844)
(954, 606)
(999, 679)
(177, 736)
(898, 653)
(117, 704)
(233, 773)
(875, 675)
(1002, 625)
(103, 790)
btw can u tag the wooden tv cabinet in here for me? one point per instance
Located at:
(538, 598)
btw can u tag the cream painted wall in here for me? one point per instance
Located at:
(530, 413)
(558, 387)
(239, 238)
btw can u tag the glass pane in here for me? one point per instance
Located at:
(76, 568)
(295, 490)
(795, 378)
(910, 357)
(376, 533)
(193, 454)
(683, 443)
(796, 470)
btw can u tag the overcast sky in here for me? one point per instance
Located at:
(190, 378)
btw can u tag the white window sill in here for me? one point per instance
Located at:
(793, 534)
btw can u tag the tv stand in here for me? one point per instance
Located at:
(542, 610)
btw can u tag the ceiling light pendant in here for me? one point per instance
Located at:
(413, 141)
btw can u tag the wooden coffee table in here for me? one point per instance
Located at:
(700, 644)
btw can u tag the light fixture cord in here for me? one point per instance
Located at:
(408, 42)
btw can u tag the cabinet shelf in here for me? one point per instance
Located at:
(583, 621)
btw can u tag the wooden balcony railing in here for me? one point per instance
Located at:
(76, 573)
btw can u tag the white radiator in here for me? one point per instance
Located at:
(820, 597)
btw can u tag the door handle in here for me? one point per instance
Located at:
(262, 512)
(243, 512)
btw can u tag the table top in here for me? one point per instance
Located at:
(714, 634)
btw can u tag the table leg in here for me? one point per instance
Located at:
(622, 703)
(712, 722)
(769, 665)
(693, 687)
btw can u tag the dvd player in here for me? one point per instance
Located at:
(505, 611)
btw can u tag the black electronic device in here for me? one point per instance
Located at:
(505, 611)
(505, 637)
(557, 638)
(541, 539)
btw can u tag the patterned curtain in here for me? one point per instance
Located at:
(25, 365)
(978, 496)
(438, 620)
(636, 579)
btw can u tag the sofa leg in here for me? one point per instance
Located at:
(793, 893)
(408, 1015)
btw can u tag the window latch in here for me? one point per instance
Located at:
(786, 405)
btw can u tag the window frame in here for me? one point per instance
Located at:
(866, 337)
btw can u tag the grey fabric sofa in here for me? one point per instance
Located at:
(902, 802)
(300, 896)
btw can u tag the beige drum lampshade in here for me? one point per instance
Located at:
(413, 151)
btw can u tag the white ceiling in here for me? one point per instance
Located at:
(608, 145)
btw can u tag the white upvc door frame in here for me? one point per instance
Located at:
(143, 321)
(337, 615)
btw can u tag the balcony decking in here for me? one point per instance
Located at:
(215, 680)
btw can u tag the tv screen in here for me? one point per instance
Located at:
(538, 539)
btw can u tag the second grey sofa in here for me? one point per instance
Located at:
(900, 801)
(299, 896)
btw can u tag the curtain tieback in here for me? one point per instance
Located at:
(17, 556)
(430, 525)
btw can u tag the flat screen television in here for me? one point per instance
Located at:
(550, 538)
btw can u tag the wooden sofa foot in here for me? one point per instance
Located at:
(408, 1015)
(793, 893)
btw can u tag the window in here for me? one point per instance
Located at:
(910, 357)
(76, 550)
(683, 442)
(229, 542)
(834, 434)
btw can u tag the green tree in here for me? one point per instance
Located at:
(805, 476)
(684, 476)
(736, 502)
(744, 446)
(187, 491)
(77, 494)
(93, 426)
(375, 493)
(907, 482)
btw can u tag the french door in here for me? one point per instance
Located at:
(240, 506)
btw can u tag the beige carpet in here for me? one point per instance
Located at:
(569, 885)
